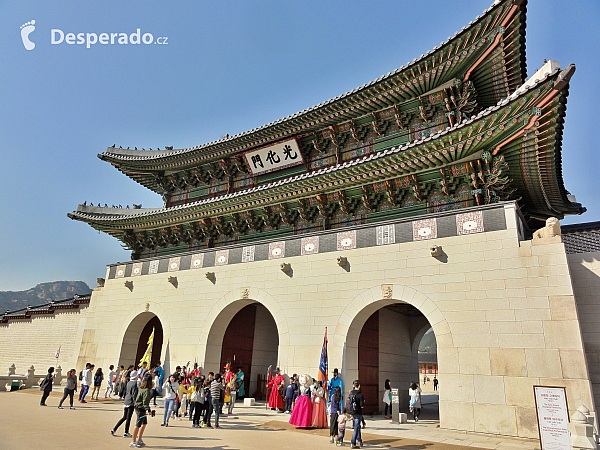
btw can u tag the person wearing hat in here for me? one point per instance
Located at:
(275, 398)
(336, 381)
(194, 373)
(228, 375)
(128, 405)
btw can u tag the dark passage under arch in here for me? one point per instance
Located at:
(143, 342)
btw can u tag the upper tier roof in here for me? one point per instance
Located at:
(466, 55)
(510, 129)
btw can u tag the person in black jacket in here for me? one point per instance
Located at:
(131, 392)
(46, 386)
(356, 400)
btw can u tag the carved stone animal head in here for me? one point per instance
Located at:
(553, 227)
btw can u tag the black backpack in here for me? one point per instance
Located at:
(81, 375)
(351, 403)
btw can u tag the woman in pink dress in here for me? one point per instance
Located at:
(319, 414)
(302, 413)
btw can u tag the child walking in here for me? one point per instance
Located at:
(342, 419)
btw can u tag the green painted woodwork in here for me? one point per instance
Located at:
(460, 158)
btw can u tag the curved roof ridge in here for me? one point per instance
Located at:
(370, 157)
(158, 154)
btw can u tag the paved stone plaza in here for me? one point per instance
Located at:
(29, 425)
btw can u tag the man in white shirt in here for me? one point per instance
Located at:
(86, 382)
(87, 366)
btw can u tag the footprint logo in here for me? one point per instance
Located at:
(26, 30)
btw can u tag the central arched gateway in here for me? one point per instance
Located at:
(388, 349)
(245, 335)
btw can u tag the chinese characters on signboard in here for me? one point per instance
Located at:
(553, 417)
(274, 157)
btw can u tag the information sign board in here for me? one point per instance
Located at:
(552, 417)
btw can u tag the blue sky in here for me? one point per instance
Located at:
(229, 66)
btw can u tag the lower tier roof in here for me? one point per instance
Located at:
(525, 130)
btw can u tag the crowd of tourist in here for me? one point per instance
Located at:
(189, 393)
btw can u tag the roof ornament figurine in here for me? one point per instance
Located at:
(551, 230)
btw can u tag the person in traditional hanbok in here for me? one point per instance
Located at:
(228, 375)
(240, 383)
(319, 414)
(302, 413)
(275, 398)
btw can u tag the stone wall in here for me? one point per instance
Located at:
(585, 273)
(502, 310)
(35, 341)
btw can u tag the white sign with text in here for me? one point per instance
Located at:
(274, 157)
(553, 417)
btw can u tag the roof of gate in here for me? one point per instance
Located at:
(504, 19)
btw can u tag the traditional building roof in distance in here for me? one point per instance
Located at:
(490, 52)
(581, 237)
(425, 357)
(46, 309)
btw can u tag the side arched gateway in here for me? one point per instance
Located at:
(135, 339)
(380, 331)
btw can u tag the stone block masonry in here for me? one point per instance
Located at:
(35, 341)
(504, 313)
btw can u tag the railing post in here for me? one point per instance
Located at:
(30, 381)
(591, 418)
(582, 433)
(58, 376)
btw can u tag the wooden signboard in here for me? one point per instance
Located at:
(274, 157)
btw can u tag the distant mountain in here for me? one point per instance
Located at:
(428, 343)
(42, 293)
